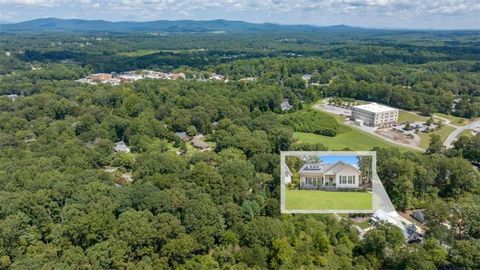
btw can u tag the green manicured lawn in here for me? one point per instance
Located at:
(443, 132)
(354, 139)
(190, 148)
(364, 224)
(327, 200)
(454, 120)
(347, 137)
(404, 116)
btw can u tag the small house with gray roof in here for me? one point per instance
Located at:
(121, 147)
(329, 176)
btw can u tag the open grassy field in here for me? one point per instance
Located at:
(404, 116)
(346, 137)
(327, 200)
(454, 120)
(466, 132)
(339, 118)
(354, 139)
(443, 132)
(138, 53)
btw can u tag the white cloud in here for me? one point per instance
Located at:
(40, 3)
(290, 11)
(440, 6)
(8, 16)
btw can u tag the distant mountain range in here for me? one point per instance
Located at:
(180, 26)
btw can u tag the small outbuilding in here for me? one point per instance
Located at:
(285, 105)
(127, 177)
(12, 97)
(182, 135)
(418, 215)
(121, 147)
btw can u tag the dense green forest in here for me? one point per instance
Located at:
(61, 208)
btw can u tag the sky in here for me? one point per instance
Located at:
(347, 159)
(413, 14)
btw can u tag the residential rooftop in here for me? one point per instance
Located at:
(121, 147)
(198, 142)
(324, 167)
(182, 135)
(375, 107)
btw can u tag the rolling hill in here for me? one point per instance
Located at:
(180, 26)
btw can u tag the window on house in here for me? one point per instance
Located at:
(349, 179)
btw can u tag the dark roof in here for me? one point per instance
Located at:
(324, 167)
(181, 135)
(315, 167)
(418, 215)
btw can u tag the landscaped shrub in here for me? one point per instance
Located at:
(350, 189)
(326, 132)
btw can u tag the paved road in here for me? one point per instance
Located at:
(448, 142)
(453, 136)
(335, 110)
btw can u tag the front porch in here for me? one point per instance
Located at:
(324, 182)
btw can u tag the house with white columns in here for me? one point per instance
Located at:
(329, 176)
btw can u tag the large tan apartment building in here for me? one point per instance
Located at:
(374, 115)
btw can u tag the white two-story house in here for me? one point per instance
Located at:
(329, 176)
